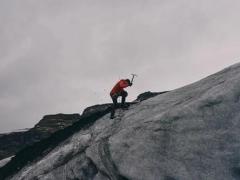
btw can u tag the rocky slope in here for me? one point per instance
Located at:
(11, 143)
(189, 133)
(52, 123)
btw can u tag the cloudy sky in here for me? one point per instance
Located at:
(63, 55)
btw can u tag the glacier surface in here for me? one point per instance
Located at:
(189, 133)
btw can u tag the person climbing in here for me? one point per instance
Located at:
(117, 91)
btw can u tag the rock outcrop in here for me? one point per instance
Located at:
(11, 143)
(52, 123)
(96, 108)
(189, 133)
(146, 95)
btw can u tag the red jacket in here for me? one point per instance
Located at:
(119, 87)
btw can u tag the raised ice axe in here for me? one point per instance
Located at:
(133, 76)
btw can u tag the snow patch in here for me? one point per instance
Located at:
(3, 162)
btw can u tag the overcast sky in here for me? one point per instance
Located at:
(64, 55)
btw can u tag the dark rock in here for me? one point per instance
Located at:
(52, 123)
(13, 142)
(148, 94)
(236, 172)
(96, 108)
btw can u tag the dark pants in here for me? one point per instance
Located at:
(114, 97)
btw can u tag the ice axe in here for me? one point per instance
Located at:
(133, 76)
